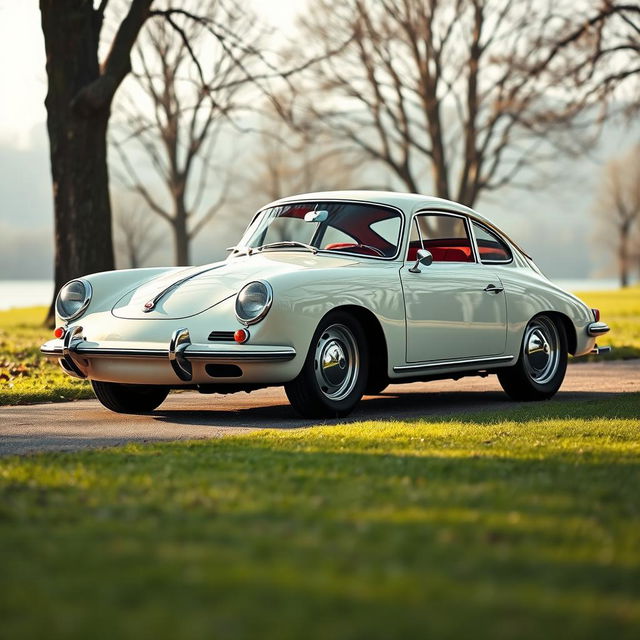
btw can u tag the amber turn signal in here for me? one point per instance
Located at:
(241, 336)
(59, 332)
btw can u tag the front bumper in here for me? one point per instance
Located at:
(74, 353)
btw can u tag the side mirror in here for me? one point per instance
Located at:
(423, 257)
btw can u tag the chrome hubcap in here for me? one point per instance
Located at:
(541, 350)
(336, 362)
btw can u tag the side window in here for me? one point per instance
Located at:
(490, 247)
(444, 236)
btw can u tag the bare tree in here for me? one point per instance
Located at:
(287, 161)
(599, 48)
(463, 95)
(176, 113)
(136, 237)
(618, 205)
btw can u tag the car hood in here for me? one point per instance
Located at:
(190, 291)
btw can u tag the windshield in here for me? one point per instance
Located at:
(344, 227)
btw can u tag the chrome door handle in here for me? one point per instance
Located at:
(491, 288)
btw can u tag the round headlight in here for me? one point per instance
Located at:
(73, 299)
(253, 302)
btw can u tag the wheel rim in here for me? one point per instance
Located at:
(337, 362)
(541, 350)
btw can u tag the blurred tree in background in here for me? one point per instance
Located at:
(459, 97)
(618, 206)
(188, 88)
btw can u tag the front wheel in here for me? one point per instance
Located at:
(334, 374)
(129, 398)
(542, 363)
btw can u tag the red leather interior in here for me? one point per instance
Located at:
(444, 254)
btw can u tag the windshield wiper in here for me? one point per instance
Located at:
(288, 243)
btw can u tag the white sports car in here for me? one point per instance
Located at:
(333, 295)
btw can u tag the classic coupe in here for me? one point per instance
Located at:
(334, 295)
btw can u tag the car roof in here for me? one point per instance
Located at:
(408, 202)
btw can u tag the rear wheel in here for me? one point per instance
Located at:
(129, 398)
(542, 363)
(334, 374)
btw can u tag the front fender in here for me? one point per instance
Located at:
(301, 300)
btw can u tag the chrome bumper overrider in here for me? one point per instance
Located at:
(180, 352)
(597, 328)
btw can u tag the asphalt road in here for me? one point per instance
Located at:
(85, 423)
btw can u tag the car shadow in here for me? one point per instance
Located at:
(390, 405)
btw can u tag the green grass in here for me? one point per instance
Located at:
(25, 376)
(620, 309)
(521, 524)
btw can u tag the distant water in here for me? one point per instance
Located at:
(25, 293)
(31, 293)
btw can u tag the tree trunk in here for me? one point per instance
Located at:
(77, 135)
(623, 256)
(181, 235)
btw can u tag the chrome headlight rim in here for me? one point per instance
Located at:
(266, 307)
(88, 294)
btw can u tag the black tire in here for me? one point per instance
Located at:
(333, 390)
(542, 363)
(376, 386)
(129, 398)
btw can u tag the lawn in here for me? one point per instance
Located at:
(26, 377)
(521, 524)
(620, 309)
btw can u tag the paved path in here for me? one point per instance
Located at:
(83, 424)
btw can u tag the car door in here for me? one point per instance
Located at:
(456, 307)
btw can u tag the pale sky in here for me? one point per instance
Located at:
(22, 63)
(26, 215)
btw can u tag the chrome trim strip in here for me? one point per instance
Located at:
(597, 328)
(281, 354)
(452, 363)
(101, 352)
(151, 304)
(598, 350)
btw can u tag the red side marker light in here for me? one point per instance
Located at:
(59, 332)
(241, 336)
(596, 314)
